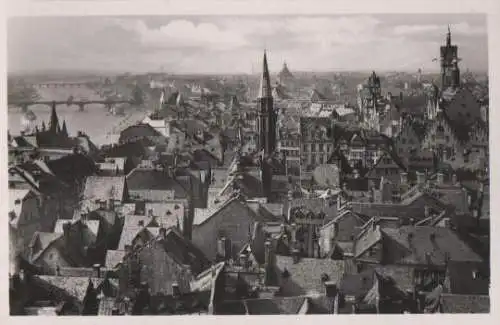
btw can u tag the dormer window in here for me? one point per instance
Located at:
(17, 202)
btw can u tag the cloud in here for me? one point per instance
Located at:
(224, 44)
(184, 33)
(462, 28)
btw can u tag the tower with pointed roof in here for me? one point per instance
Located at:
(450, 72)
(267, 116)
(54, 120)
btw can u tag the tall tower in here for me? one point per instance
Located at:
(450, 73)
(54, 120)
(267, 117)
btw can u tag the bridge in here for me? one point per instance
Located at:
(60, 85)
(108, 103)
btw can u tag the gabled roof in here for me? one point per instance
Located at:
(152, 179)
(138, 131)
(233, 206)
(441, 243)
(43, 240)
(307, 272)
(130, 234)
(104, 188)
(114, 258)
(89, 229)
(367, 237)
(74, 287)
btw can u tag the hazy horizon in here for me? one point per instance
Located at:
(218, 45)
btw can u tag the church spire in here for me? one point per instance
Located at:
(54, 120)
(64, 130)
(265, 81)
(448, 37)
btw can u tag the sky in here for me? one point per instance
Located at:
(234, 44)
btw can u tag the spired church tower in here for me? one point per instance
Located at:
(450, 73)
(267, 116)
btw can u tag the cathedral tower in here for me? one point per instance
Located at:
(267, 117)
(450, 73)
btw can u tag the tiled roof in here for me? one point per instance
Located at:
(275, 306)
(129, 234)
(151, 179)
(89, 229)
(466, 304)
(45, 239)
(402, 275)
(233, 206)
(367, 237)
(307, 272)
(75, 287)
(138, 131)
(113, 258)
(104, 188)
(184, 252)
(132, 221)
(315, 205)
(357, 285)
(444, 242)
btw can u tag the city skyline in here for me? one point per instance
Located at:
(234, 44)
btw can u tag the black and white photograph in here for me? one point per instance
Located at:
(249, 164)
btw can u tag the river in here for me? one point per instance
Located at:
(95, 120)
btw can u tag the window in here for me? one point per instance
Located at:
(320, 147)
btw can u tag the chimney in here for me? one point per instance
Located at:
(295, 255)
(294, 233)
(440, 178)
(176, 292)
(66, 233)
(420, 178)
(268, 253)
(335, 230)
(330, 289)
(427, 212)
(404, 178)
(128, 249)
(97, 270)
(163, 233)
(221, 248)
(110, 204)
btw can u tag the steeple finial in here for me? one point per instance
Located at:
(265, 81)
